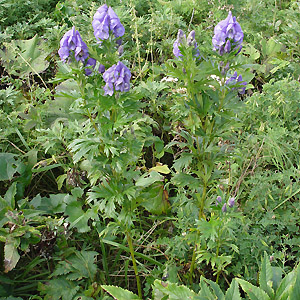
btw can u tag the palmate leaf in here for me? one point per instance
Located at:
(78, 266)
(119, 293)
(59, 289)
(23, 57)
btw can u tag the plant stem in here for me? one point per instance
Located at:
(138, 282)
(192, 265)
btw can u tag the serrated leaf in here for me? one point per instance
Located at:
(265, 276)
(11, 255)
(254, 292)
(119, 293)
(283, 290)
(8, 166)
(295, 291)
(9, 196)
(205, 292)
(233, 292)
(59, 289)
(183, 162)
(216, 289)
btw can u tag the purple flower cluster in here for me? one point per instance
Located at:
(237, 80)
(117, 78)
(105, 20)
(190, 41)
(230, 203)
(72, 42)
(228, 35)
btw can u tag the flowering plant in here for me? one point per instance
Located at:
(117, 77)
(228, 35)
(105, 20)
(182, 40)
(72, 42)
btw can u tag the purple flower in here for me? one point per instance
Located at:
(231, 202)
(224, 207)
(237, 80)
(190, 41)
(73, 42)
(227, 34)
(117, 77)
(218, 200)
(105, 20)
(91, 63)
(181, 37)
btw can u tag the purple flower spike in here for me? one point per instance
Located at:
(117, 77)
(105, 20)
(181, 39)
(237, 80)
(224, 208)
(72, 41)
(228, 30)
(231, 202)
(218, 200)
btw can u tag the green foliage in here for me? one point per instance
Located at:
(103, 194)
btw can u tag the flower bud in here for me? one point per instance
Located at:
(191, 38)
(224, 207)
(218, 200)
(231, 202)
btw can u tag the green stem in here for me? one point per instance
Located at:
(201, 216)
(81, 87)
(138, 282)
(217, 253)
(192, 265)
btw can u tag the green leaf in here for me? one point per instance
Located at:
(174, 291)
(154, 199)
(11, 255)
(22, 57)
(164, 169)
(233, 292)
(282, 292)
(8, 166)
(149, 178)
(295, 291)
(119, 293)
(77, 217)
(183, 162)
(9, 196)
(254, 292)
(205, 292)
(277, 276)
(216, 288)
(59, 289)
(266, 275)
